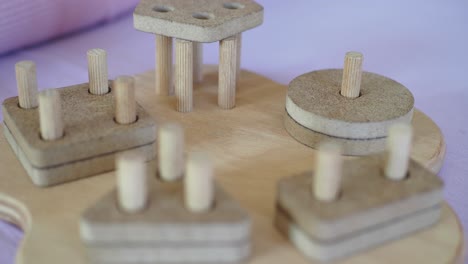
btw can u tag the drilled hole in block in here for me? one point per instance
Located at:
(203, 16)
(233, 5)
(163, 9)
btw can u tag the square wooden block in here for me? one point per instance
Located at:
(91, 139)
(166, 227)
(369, 205)
(201, 20)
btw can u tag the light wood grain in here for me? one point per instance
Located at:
(352, 74)
(50, 115)
(26, 80)
(184, 75)
(251, 151)
(97, 71)
(125, 104)
(197, 62)
(398, 151)
(227, 72)
(171, 152)
(132, 182)
(164, 85)
(327, 182)
(198, 183)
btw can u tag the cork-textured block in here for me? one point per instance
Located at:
(217, 236)
(314, 101)
(324, 250)
(200, 21)
(367, 198)
(74, 170)
(90, 129)
(352, 147)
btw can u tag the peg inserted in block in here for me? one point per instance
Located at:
(132, 182)
(199, 183)
(197, 62)
(227, 72)
(50, 115)
(398, 151)
(327, 180)
(171, 152)
(97, 71)
(26, 80)
(184, 75)
(164, 85)
(125, 103)
(352, 74)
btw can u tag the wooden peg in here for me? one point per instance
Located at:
(327, 179)
(171, 152)
(197, 62)
(184, 75)
(398, 151)
(352, 72)
(27, 84)
(50, 115)
(164, 65)
(227, 72)
(239, 54)
(125, 104)
(97, 72)
(199, 187)
(132, 182)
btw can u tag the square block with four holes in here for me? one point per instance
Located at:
(90, 141)
(370, 210)
(201, 20)
(166, 232)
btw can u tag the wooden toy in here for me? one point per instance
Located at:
(336, 212)
(348, 106)
(194, 222)
(251, 152)
(75, 131)
(193, 23)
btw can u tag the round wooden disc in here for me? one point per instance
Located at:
(314, 101)
(251, 151)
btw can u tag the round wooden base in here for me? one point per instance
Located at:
(251, 151)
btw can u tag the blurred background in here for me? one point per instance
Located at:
(422, 44)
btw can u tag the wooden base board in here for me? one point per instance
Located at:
(251, 152)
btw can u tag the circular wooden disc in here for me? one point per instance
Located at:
(314, 101)
(251, 151)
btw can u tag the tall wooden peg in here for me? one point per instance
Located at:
(97, 72)
(227, 72)
(125, 104)
(132, 182)
(171, 152)
(197, 62)
(398, 151)
(199, 186)
(50, 115)
(327, 179)
(184, 75)
(164, 65)
(352, 72)
(27, 84)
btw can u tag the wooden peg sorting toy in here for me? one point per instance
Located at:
(132, 182)
(97, 72)
(199, 189)
(50, 115)
(239, 56)
(347, 106)
(327, 179)
(197, 62)
(197, 23)
(352, 73)
(164, 85)
(227, 72)
(398, 151)
(27, 84)
(184, 75)
(171, 152)
(125, 103)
